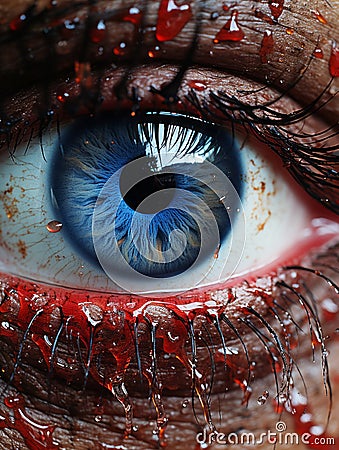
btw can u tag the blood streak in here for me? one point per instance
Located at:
(334, 61)
(267, 46)
(319, 16)
(276, 7)
(134, 15)
(37, 436)
(231, 31)
(171, 19)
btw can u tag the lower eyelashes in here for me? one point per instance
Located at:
(142, 350)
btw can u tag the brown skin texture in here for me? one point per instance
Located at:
(70, 408)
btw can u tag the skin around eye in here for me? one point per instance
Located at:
(96, 370)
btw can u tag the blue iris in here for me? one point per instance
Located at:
(159, 220)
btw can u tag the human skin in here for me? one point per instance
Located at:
(90, 417)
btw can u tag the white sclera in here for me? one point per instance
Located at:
(276, 220)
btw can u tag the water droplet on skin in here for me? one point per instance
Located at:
(267, 46)
(54, 226)
(276, 7)
(134, 16)
(214, 15)
(98, 419)
(320, 18)
(185, 403)
(171, 19)
(231, 31)
(334, 61)
(289, 31)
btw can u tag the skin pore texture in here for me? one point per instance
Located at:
(256, 354)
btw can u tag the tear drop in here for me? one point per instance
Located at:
(54, 226)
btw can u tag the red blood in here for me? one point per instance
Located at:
(260, 15)
(304, 425)
(334, 61)
(171, 19)
(319, 16)
(276, 7)
(97, 34)
(230, 31)
(318, 53)
(62, 97)
(134, 15)
(36, 435)
(197, 85)
(267, 46)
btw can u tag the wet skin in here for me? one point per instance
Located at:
(78, 385)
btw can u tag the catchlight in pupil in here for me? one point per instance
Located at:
(145, 192)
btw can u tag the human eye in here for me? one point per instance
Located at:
(150, 370)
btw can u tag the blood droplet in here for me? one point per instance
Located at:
(153, 53)
(37, 436)
(171, 19)
(17, 23)
(134, 16)
(260, 15)
(297, 405)
(318, 53)
(62, 97)
(97, 34)
(54, 226)
(289, 31)
(334, 61)
(83, 74)
(231, 31)
(319, 16)
(276, 7)
(120, 50)
(197, 85)
(267, 45)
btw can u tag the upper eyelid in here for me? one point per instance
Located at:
(272, 134)
(274, 72)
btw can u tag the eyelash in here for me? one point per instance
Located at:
(310, 163)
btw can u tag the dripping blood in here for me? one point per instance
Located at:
(172, 19)
(231, 31)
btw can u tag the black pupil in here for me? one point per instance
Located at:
(139, 196)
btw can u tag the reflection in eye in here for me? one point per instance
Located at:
(73, 331)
